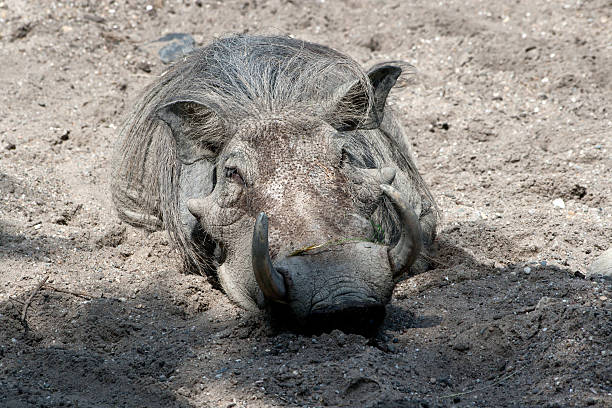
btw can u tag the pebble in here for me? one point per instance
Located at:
(94, 18)
(559, 203)
(179, 45)
(527, 270)
(461, 346)
(144, 66)
(10, 146)
(602, 265)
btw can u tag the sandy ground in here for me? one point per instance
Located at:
(510, 113)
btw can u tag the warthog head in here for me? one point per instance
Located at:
(277, 168)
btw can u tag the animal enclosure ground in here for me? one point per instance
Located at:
(510, 112)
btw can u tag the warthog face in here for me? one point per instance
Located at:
(300, 179)
(285, 185)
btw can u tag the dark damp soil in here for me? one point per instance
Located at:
(511, 127)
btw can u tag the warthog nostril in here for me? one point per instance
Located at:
(362, 318)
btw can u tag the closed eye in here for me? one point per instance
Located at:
(346, 157)
(233, 174)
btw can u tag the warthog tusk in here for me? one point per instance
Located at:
(409, 246)
(270, 281)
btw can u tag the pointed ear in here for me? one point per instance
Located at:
(356, 100)
(197, 130)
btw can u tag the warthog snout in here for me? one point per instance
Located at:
(342, 285)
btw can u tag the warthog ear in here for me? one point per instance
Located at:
(355, 101)
(197, 130)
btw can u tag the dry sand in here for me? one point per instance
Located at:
(510, 115)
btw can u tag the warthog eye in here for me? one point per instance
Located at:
(233, 174)
(346, 157)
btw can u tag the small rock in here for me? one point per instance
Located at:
(432, 380)
(59, 139)
(602, 266)
(180, 44)
(113, 237)
(111, 37)
(126, 251)
(374, 44)
(10, 146)
(461, 346)
(558, 203)
(527, 270)
(578, 191)
(21, 31)
(94, 18)
(339, 336)
(144, 66)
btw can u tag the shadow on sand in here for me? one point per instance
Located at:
(464, 333)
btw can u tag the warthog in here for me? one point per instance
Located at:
(279, 171)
